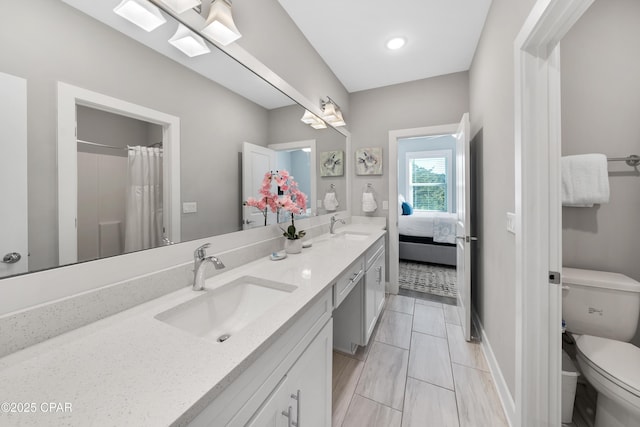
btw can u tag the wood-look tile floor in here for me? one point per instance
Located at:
(416, 371)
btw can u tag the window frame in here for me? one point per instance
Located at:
(426, 154)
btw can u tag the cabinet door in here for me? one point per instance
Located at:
(379, 270)
(370, 301)
(309, 382)
(271, 413)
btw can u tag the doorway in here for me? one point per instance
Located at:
(538, 210)
(394, 213)
(297, 157)
(70, 100)
(426, 216)
(120, 203)
(460, 232)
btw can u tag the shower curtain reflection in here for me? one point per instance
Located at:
(144, 225)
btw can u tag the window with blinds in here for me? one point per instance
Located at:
(429, 183)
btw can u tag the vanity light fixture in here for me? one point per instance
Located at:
(189, 42)
(181, 6)
(313, 120)
(219, 24)
(396, 43)
(141, 13)
(331, 112)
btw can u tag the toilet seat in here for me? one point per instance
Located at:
(612, 367)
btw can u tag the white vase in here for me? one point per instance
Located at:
(293, 246)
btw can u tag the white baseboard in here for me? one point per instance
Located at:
(504, 394)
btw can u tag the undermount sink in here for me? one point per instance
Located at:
(351, 235)
(222, 312)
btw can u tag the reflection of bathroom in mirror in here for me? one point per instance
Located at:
(120, 200)
(219, 103)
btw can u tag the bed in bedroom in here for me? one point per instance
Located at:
(428, 237)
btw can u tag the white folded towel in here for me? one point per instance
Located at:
(444, 230)
(585, 180)
(368, 202)
(331, 202)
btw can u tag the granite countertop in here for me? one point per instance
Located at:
(132, 369)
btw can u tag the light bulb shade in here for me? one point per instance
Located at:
(142, 13)
(189, 42)
(313, 120)
(339, 121)
(332, 114)
(181, 6)
(309, 117)
(219, 24)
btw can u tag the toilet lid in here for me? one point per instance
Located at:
(619, 360)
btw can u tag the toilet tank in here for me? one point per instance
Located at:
(600, 303)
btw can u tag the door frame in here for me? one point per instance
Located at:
(538, 210)
(69, 97)
(394, 244)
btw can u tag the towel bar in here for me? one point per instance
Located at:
(633, 160)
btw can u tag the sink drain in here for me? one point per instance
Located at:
(223, 338)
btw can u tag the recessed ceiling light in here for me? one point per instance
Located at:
(396, 43)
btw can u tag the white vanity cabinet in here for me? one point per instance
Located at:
(303, 397)
(359, 298)
(374, 287)
(297, 364)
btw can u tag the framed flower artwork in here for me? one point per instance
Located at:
(369, 161)
(332, 163)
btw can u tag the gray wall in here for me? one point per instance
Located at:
(270, 35)
(411, 145)
(61, 44)
(102, 189)
(600, 110)
(428, 102)
(491, 81)
(112, 129)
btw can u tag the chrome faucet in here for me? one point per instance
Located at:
(200, 260)
(333, 224)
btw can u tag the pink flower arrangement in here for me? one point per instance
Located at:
(292, 200)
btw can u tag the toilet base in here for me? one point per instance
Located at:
(610, 413)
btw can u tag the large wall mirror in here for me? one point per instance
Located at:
(115, 141)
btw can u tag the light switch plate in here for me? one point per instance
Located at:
(189, 207)
(385, 205)
(511, 222)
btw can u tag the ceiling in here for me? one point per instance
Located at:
(351, 36)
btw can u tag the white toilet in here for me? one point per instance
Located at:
(601, 309)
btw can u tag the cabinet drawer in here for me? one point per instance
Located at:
(373, 251)
(347, 281)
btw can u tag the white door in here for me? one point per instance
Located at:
(13, 175)
(463, 226)
(256, 161)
